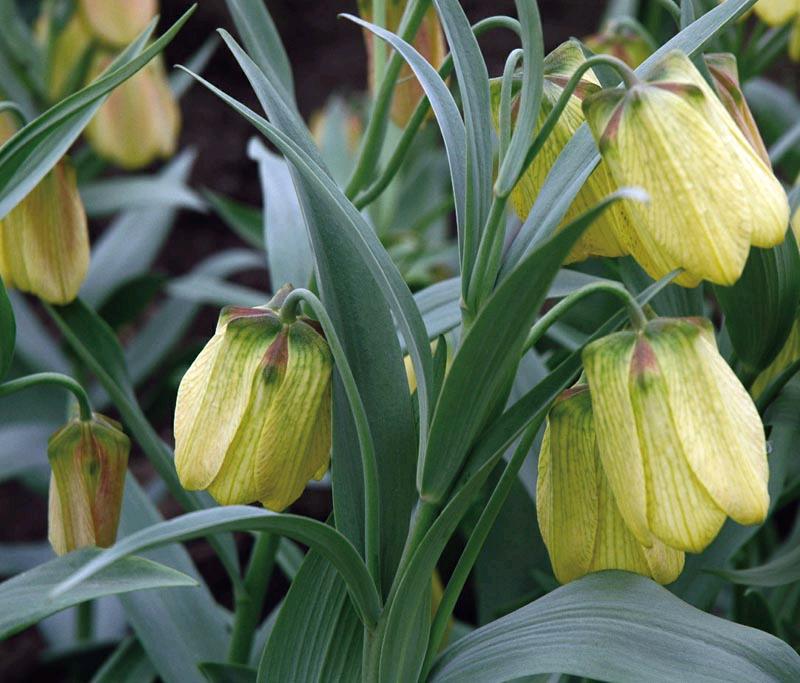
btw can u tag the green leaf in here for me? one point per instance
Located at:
(761, 307)
(8, 332)
(20, 557)
(621, 627)
(358, 282)
(317, 634)
(179, 627)
(206, 289)
(283, 229)
(487, 357)
(447, 116)
(168, 325)
(473, 82)
(131, 243)
(335, 547)
(110, 195)
(261, 38)
(246, 221)
(579, 157)
(221, 672)
(530, 98)
(26, 599)
(780, 571)
(30, 154)
(127, 664)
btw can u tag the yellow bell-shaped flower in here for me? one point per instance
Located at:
(711, 195)
(578, 516)
(777, 12)
(253, 413)
(429, 42)
(44, 240)
(680, 440)
(89, 459)
(602, 238)
(117, 22)
(65, 49)
(620, 40)
(140, 121)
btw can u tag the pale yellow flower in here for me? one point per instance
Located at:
(580, 523)
(711, 195)
(680, 440)
(253, 413)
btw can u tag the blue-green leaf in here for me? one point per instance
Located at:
(27, 598)
(621, 627)
(8, 331)
(336, 548)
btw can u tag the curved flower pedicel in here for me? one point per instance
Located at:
(711, 194)
(680, 440)
(578, 516)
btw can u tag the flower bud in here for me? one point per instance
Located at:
(44, 240)
(578, 516)
(66, 51)
(253, 414)
(672, 136)
(429, 42)
(117, 22)
(89, 459)
(725, 74)
(680, 440)
(787, 356)
(140, 121)
(603, 237)
(621, 40)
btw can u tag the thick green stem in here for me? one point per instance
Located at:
(487, 263)
(249, 598)
(54, 379)
(372, 530)
(376, 128)
(83, 622)
(420, 113)
(476, 540)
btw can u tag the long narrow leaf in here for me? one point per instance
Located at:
(335, 547)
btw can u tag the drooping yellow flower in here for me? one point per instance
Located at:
(620, 40)
(44, 240)
(252, 418)
(603, 236)
(725, 74)
(140, 121)
(711, 195)
(578, 516)
(117, 22)
(66, 51)
(89, 459)
(777, 12)
(429, 42)
(680, 440)
(788, 355)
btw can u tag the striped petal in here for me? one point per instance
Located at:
(606, 363)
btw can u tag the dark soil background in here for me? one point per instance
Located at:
(328, 57)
